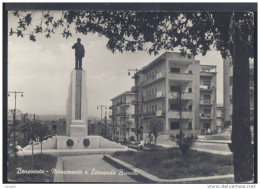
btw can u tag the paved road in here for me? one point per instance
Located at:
(95, 166)
(204, 146)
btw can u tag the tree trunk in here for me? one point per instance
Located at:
(41, 146)
(241, 135)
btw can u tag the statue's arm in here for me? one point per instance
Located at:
(74, 46)
(83, 51)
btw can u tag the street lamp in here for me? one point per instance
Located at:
(129, 70)
(101, 108)
(14, 117)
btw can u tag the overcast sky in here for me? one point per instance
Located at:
(42, 69)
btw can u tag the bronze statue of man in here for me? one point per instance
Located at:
(79, 54)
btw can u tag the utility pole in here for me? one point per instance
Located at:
(105, 124)
(101, 108)
(14, 116)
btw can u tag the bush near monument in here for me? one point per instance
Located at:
(171, 164)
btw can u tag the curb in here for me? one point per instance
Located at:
(59, 166)
(214, 141)
(146, 177)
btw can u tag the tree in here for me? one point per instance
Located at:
(231, 33)
(155, 127)
(41, 132)
(184, 142)
(127, 126)
(25, 128)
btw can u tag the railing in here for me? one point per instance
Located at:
(176, 114)
(159, 75)
(205, 116)
(206, 102)
(153, 96)
(185, 95)
(206, 87)
(181, 76)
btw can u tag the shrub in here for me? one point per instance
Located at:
(184, 142)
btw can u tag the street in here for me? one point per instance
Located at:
(94, 169)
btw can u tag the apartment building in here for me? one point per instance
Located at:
(220, 117)
(157, 93)
(121, 121)
(228, 87)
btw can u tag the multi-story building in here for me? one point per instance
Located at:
(156, 94)
(220, 117)
(122, 122)
(228, 87)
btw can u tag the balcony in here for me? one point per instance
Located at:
(205, 116)
(134, 88)
(206, 102)
(176, 115)
(181, 76)
(157, 113)
(153, 96)
(134, 102)
(206, 88)
(158, 76)
(184, 96)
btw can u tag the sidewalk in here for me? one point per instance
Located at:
(200, 149)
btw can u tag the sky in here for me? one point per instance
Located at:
(42, 70)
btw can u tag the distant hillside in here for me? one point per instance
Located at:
(57, 117)
(51, 117)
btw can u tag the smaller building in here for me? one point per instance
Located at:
(122, 121)
(220, 117)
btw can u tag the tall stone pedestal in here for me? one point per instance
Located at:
(77, 109)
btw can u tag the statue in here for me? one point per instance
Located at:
(79, 54)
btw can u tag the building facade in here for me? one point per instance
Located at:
(228, 87)
(164, 83)
(220, 117)
(122, 121)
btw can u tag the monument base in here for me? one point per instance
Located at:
(61, 142)
(78, 128)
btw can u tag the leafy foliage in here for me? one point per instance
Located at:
(184, 142)
(196, 32)
(155, 127)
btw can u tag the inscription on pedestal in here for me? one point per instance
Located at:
(78, 95)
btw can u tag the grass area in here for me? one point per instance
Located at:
(171, 164)
(44, 163)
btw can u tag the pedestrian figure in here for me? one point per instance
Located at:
(141, 145)
(79, 54)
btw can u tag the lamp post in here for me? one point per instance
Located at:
(101, 108)
(14, 116)
(129, 70)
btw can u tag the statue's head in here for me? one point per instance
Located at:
(78, 40)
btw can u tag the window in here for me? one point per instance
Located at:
(190, 71)
(207, 99)
(174, 88)
(174, 107)
(207, 111)
(175, 70)
(155, 107)
(190, 107)
(206, 126)
(207, 83)
(190, 125)
(231, 99)
(190, 90)
(175, 125)
(231, 80)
